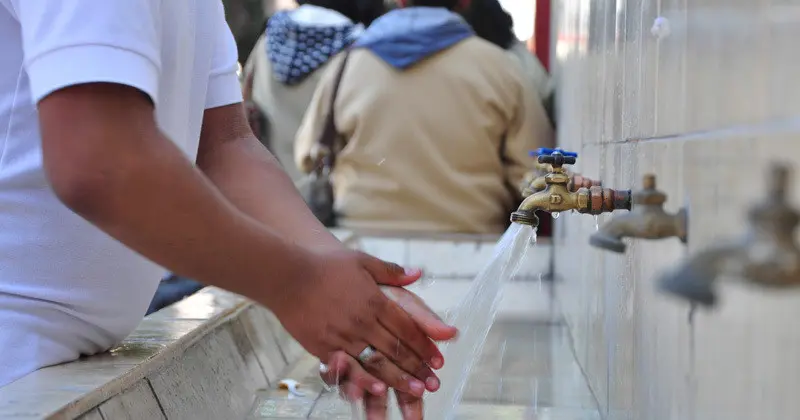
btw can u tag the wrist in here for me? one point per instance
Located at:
(295, 277)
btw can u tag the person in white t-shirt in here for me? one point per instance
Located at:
(125, 151)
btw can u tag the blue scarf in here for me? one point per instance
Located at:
(404, 37)
(297, 50)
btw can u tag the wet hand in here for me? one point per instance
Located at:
(356, 384)
(339, 306)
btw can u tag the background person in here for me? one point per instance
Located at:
(435, 125)
(287, 62)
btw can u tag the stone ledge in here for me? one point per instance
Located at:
(214, 329)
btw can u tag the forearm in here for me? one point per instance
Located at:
(253, 180)
(157, 203)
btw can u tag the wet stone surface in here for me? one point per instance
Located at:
(526, 372)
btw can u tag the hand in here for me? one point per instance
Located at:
(337, 305)
(355, 383)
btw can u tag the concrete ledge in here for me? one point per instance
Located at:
(206, 355)
(211, 354)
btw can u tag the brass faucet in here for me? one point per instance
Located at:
(534, 180)
(766, 255)
(556, 196)
(647, 220)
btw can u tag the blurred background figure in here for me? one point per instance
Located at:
(435, 125)
(492, 23)
(284, 66)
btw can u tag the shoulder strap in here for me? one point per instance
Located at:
(329, 134)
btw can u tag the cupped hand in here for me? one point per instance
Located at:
(339, 306)
(356, 384)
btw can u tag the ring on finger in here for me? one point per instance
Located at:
(367, 354)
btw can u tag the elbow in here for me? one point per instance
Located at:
(84, 189)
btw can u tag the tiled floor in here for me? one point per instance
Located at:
(526, 372)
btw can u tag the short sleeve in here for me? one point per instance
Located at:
(72, 42)
(223, 81)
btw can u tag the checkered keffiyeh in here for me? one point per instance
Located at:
(296, 50)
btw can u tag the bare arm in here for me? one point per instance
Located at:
(253, 180)
(108, 162)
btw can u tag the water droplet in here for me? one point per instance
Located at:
(556, 214)
(426, 281)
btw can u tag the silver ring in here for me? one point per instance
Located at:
(366, 354)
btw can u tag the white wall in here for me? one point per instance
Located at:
(708, 109)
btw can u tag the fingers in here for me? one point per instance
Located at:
(376, 407)
(401, 325)
(410, 406)
(345, 370)
(427, 320)
(394, 377)
(351, 392)
(405, 359)
(388, 273)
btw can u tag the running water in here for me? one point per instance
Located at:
(474, 317)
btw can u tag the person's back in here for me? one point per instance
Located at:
(66, 287)
(492, 23)
(287, 63)
(437, 123)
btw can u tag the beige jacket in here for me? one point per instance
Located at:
(422, 148)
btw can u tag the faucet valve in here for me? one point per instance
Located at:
(557, 159)
(544, 151)
(558, 191)
(535, 179)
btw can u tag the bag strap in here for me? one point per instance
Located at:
(328, 136)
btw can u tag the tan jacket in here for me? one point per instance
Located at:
(422, 147)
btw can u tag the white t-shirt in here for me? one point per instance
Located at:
(66, 288)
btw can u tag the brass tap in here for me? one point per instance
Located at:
(534, 180)
(556, 196)
(647, 220)
(766, 255)
(576, 181)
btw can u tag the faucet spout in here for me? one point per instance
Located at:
(694, 280)
(767, 255)
(647, 220)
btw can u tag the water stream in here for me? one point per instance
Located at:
(474, 317)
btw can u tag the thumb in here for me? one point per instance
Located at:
(389, 274)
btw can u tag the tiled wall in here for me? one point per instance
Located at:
(707, 108)
(451, 264)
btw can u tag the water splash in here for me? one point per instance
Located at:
(426, 281)
(474, 317)
(596, 223)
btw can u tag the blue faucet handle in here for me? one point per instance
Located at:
(543, 151)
